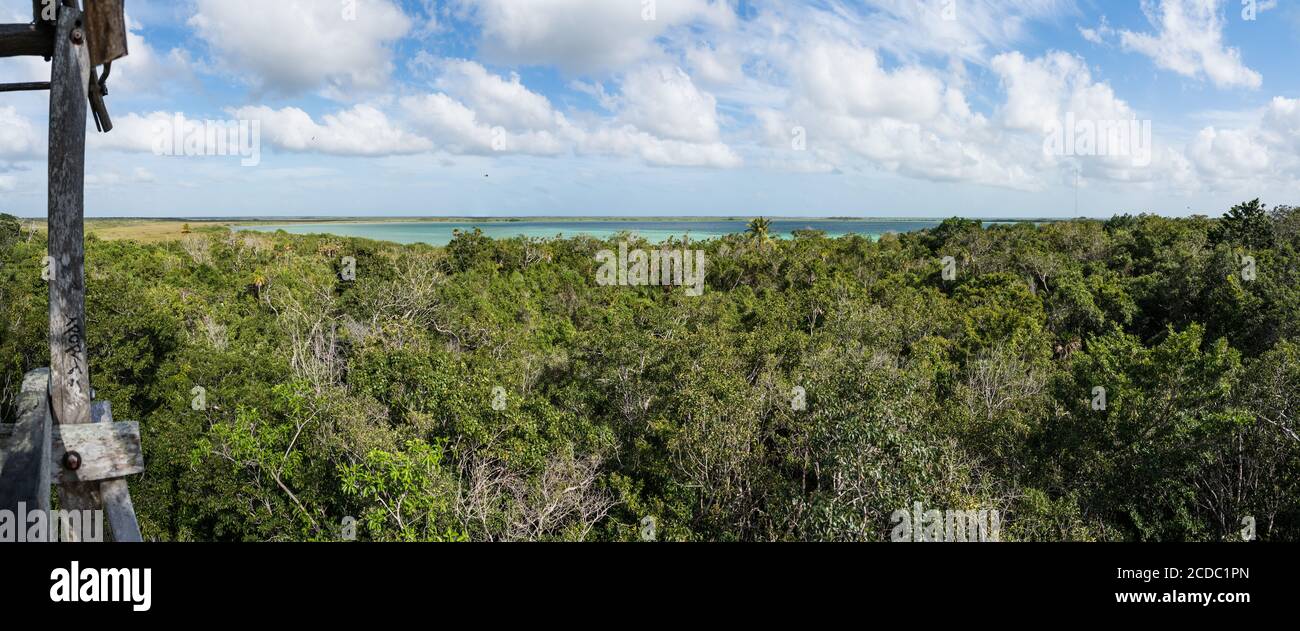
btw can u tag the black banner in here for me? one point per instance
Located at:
(935, 581)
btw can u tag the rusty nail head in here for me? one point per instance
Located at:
(77, 36)
(72, 460)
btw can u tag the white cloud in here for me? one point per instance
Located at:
(629, 141)
(359, 131)
(661, 118)
(585, 35)
(296, 46)
(1281, 122)
(495, 100)
(1050, 91)
(481, 113)
(19, 139)
(145, 70)
(457, 128)
(718, 66)
(133, 132)
(910, 27)
(1228, 154)
(845, 110)
(663, 101)
(1189, 42)
(1098, 35)
(143, 175)
(1265, 150)
(849, 79)
(1042, 90)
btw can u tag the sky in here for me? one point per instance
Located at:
(817, 108)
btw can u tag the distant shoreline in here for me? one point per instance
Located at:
(592, 219)
(150, 230)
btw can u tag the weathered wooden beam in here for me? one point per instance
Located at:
(23, 40)
(31, 86)
(69, 372)
(25, 452)
(103, 451)
(106, 450)
(115, 492)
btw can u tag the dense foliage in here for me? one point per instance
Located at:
(325, 398)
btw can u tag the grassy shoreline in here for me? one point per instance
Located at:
(152, 230)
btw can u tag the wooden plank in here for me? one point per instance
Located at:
(120, 511)
(69, 376)
(25, 454)
(106, 451)
(106, 30)
(25, 40)
(115, 493)
(29, 86)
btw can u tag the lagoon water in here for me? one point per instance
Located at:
(439, 233)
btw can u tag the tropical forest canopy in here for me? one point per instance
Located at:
(277, 399)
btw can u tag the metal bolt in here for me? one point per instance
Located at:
(72, 460)
(77, 36)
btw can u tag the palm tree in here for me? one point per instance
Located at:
(758, 230)
(259, 283)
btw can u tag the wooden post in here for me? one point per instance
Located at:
(69, 372)
(25, 448)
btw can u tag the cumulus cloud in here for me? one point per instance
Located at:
(146, 70)
(845, 110)
(849, 79)
(714, 65)
(458, 128)
(1040, 91)
(1265, 150)
(495, 99)
(19, 139)
(1228, 154)
(628, 141)
(1189, 41)
(295, 46)
(660, 117)
(664, 101)
(133, 132)
(1048, 94)
(585, 35)
(359, 131)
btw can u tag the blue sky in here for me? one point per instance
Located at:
(898, 108)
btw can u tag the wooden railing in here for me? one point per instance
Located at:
(63, 437)
(36, 453)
